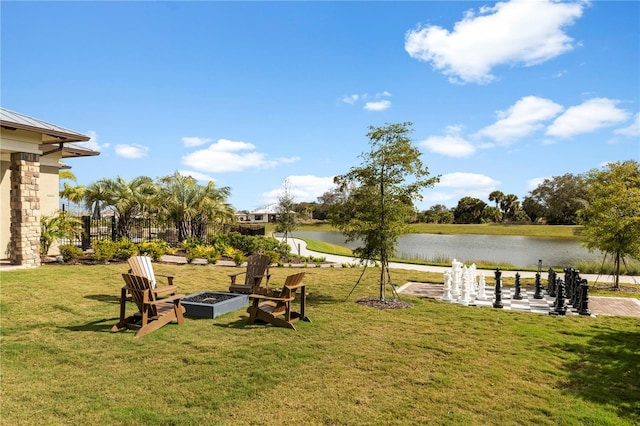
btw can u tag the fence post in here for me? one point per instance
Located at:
(114, 237)
(86, 233)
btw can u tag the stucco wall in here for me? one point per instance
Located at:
(5, 212)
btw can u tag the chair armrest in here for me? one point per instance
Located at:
(165, 290)
(275, 299)
(166, 299)
(237, 273)
(164, 275)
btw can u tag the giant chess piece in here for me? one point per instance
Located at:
(538, 293)
(517, 295)
(584, 304)
(497, 303)
(464, 295)
(457, 278)
(551, 283)
(560, 308)
(473, 282)
(447, 287)
(482, 295)
(567, 282)
(577, 297)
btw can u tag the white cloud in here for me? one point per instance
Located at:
(190, 141)
(93, 142)
(377, 105)
(225, 156)
(451, 145)
(633, 130)
(302, 188)
(516, 32)
(522, 119)
(131, 151)
(467, 180)
(200, 177)
(458, 185)
(350, 99)
(588, 117)
(535, 182)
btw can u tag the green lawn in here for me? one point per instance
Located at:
(435, 363)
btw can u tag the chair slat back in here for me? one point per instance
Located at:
(141, 291)
(141, 266)
(257, 265)
(292, 284)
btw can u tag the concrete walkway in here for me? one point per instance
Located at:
(300, 247)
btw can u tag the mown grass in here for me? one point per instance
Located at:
(435, 363)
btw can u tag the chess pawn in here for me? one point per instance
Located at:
(464, 296)
(473, 281)
(482, 294)
(456, 282)
(447, 287)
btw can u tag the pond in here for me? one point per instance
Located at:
(517, 251)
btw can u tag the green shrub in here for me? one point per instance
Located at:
(274, 256)
(155, 249)
(103, 249)
(125, 249)
(202, 251)
(189, 243)
(69, 252)
(236, 255)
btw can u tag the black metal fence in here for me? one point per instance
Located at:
(140, 230)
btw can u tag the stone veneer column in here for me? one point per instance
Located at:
(25, 209)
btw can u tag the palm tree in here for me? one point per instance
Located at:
(497, 197)
(509, 205)
(129, 199)
(73, 194)
(55, 227)
(192, 207)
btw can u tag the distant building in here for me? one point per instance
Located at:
(263, 215)
(31, 151)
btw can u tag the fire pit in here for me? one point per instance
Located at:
(209, 304)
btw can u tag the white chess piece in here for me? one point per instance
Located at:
(447, 287)
(457, 277)
(482, 295)
(464, 296)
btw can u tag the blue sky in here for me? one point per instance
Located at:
(253, 94)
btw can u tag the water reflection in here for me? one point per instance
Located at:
(519, 251)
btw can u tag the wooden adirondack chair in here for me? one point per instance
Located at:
(257, 269)
(152, 313)
(142, 266)
(274, 306)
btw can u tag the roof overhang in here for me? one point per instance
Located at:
(68, 150)
(51, 133)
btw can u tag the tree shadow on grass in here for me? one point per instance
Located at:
(99, 326)
(608, 372)
(107, 298)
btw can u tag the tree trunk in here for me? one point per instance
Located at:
(616, 266)
(383, 270)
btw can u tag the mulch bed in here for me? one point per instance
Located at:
(372, 302)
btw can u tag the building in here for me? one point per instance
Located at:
(31, 151)
(264, 215)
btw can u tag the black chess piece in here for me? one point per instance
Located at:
(584, 304)
(538, 293)
(560, 308)
(517, 295)
(497, 303)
